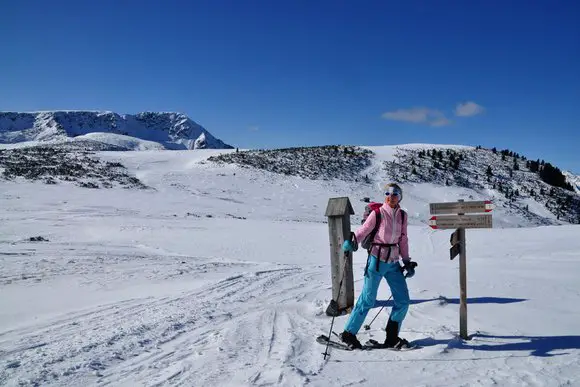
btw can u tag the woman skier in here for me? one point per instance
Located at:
(388, 246)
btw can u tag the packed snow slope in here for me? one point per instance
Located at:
(147, 130)
(219, 275)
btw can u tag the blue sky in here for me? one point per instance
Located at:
(280, 73)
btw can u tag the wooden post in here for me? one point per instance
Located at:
(462, 285)
(462, 281)
(338, 212)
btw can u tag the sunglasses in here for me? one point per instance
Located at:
(397, 194)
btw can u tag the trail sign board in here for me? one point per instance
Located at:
(460, 207)
(442, 222)
(477, 217)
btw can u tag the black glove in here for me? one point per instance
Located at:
(409, 267)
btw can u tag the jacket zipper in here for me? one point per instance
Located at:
(393, 232)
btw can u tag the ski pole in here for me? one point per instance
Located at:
(367, 327)
(339, 289)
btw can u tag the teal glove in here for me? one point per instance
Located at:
(347, 246)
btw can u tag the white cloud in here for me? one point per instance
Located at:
(254, 128)
(418, 115)
(468, 109)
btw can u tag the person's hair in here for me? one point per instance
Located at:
(395, 185)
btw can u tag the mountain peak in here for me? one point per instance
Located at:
(173, 130)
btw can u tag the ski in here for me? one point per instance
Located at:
(373, 344)
(323, 339)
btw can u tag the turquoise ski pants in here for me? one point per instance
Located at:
(396, 280)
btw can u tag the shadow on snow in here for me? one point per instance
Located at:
(444, 301)
(537, 345)
(540, 346)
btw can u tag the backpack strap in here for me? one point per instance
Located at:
(381, 245)
(377, 225)
(373, 233)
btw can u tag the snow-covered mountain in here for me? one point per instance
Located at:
(524, 195)
(573, 179)
(527, 195)
(170, 130)
(217, 272)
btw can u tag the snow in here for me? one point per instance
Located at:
(127, 142)
(220, 276)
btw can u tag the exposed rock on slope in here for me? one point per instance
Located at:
(511, 178)
(325, 162)
(54, 164)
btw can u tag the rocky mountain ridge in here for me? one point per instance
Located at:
(171, 130)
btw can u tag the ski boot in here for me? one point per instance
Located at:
(393, 340)
(350, 340)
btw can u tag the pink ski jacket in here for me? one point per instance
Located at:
(392, 230)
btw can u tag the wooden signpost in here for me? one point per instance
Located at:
(458, 243)
(338, 212)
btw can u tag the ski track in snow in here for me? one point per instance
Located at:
(119, 342)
